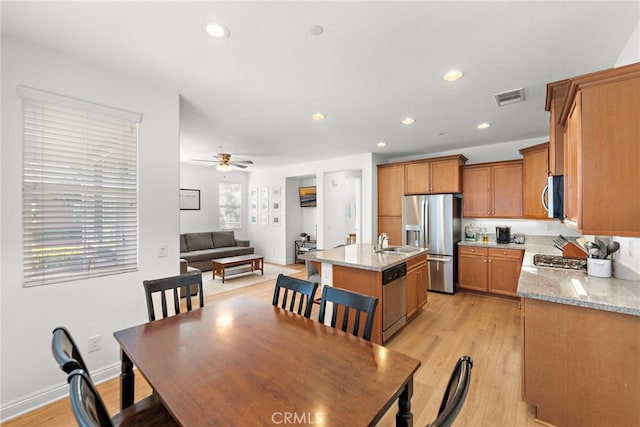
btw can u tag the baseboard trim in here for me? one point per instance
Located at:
(38, 399)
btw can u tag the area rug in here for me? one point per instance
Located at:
(240, 277)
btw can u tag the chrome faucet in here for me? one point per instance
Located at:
(383, 241)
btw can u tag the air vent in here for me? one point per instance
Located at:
(510, 97)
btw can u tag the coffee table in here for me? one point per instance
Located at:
(219, 265)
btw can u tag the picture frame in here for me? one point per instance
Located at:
(275, 192)
(264, 194)
(275, 206)
(253, 194)
(254, 218)
(264, 219)
(264, 205)
(275, 220)
(189, 199)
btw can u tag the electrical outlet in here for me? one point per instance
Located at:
(162, 250)
(95, 343)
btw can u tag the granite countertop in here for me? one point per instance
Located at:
(361, 256)
(569, 286)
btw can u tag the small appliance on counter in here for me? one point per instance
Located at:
(518, 238)
(470, 233)
(503, 234)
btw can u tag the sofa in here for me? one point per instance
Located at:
(199, 249)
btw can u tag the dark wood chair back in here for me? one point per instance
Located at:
(289, 290)
(348, 301)
(86, 403)
(66, 352)
(455, 394)
(172, 286)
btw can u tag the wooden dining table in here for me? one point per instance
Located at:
(241, 361)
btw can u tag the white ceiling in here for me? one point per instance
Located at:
(376, 63)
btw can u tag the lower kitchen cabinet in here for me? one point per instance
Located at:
(417, 284)
(580, 365)
(491, 270)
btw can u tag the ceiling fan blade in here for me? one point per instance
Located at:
(202, 160)
(239, 166)
(244, 162)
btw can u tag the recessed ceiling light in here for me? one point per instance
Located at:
(452, 76)
(318, 116)
(483, 125)
(316, 30)
(408, 121)
(217, 31)
(381, 144)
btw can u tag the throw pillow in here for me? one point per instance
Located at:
(199, 241)
(223, 239)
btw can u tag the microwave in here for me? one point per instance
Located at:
(553, 197)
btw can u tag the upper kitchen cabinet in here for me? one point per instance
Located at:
(556, 94)
(434, 176)
(492, 190)
(390, 193)
(535, 169)
(602, 152)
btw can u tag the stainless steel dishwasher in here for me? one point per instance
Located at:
(394, 300)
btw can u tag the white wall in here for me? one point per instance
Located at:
(340, 206)
(276, 243)
(206, 179)
(98, 306)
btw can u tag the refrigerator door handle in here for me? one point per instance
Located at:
(441, 259)
(425, 223)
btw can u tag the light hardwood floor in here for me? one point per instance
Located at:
(486, 328)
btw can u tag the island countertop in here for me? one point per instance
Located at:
(361, 256)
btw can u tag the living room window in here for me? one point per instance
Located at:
(230, 205)
(80, 189)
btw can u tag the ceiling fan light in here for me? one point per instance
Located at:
(223, 167)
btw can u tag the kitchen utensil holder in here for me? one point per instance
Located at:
(599, 267)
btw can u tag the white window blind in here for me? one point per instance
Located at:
(230, 205)
(80, 189)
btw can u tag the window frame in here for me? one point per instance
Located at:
(80, 191)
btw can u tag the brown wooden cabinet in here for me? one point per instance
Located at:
(473, 268)
(492, 190)
(602, 153)
(417, 284)
(535, 169)
(504, 271)
(556, 93)
(434, 176)
(491, 270)
(580, 365)
(390, 193)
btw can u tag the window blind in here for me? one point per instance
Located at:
(80, 189)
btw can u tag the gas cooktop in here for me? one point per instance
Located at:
(556, 261)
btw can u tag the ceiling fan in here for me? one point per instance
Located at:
(224, 162)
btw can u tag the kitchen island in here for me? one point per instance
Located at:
(580, 346)
(360, 268)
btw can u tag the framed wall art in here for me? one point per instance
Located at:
(189, 199)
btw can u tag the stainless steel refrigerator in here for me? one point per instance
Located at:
(435, 222)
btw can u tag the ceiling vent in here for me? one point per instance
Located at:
(510, 97)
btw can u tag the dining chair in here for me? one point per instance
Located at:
(455, 394)
(288, 289)
(171, 285)
(90, 411)
(65, 351)
(349, 300)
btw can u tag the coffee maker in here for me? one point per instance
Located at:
(503, 234)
